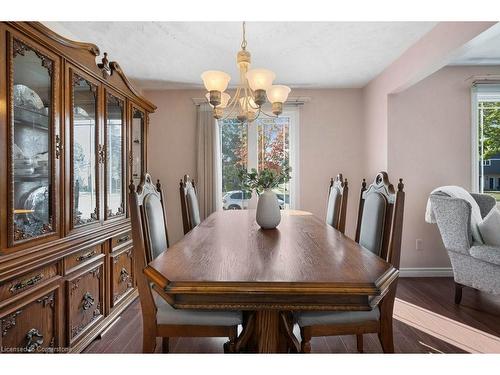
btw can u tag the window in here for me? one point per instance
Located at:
(268, 142)
(486, 139)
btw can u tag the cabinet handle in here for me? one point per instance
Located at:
(59, 147)
(34, 340)
(123, 239)
(87, 301)
(124, 275)
(100, 154)
(90, 254)
(26, 283)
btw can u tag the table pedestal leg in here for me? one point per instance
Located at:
(267, 331)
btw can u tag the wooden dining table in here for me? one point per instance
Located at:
(228, 262)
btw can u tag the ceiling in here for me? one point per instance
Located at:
(482, 50)
(169, 55)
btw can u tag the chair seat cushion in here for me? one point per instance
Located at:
(489, 254)
(313, 318)
(166, 314)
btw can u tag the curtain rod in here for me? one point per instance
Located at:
(298, 100)
(488, 78)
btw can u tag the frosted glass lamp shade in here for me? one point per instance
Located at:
(215, 80)
(278, 93)
(225, 97)
(260, 79)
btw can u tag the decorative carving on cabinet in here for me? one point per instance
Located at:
(104, 66)
(80, 327)
(23, 284)
(124, 275)
(119, 211)
(20, 48)
(59, 146)
(87, 301)
(10, 321)
(34, 340)
(78, 217)
(47, 300)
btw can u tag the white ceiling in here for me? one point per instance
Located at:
(482, 50)
(171, 55)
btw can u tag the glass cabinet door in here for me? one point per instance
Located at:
(114, 167)
(85, 152)
(138, 118)
(32, 166)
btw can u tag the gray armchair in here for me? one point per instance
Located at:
(474, 265)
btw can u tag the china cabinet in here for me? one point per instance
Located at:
(74, 134)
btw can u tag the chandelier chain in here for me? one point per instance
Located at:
(244, 41)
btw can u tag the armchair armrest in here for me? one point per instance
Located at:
(453, 220)
(486, 203)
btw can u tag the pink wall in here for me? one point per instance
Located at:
(430, 53)
(429, 145)
(330, 134)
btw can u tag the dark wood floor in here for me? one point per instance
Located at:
(477, 314)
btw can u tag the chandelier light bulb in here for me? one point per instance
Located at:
(215, 80)
(260, 79)
(278, 93)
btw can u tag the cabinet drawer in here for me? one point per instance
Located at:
(121, 275)
(31, 326)
(85, 299)
(121, 240)
(82, 257)
(27, 281)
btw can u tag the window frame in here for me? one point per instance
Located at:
(489, 91)
(292, 112)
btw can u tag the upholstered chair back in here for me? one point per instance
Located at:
(189, 204)
(149, 233)
(337, 203)
(380, 218)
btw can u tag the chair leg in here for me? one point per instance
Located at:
(458, 293)
(230, 346)
(386, 336)
(165, 345)
(359, 342)
(305, 344)
(148, 343)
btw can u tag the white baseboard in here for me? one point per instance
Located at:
(426, 272)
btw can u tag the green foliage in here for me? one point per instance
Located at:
(491, 129)
(263, 180)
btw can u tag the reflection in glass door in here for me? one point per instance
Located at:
(31, 154)
(114, 157)
(137, 140)
(84, 168)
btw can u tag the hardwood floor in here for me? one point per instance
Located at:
(446, 327)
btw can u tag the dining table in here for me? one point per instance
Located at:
(228, 262)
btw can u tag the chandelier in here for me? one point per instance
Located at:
(255, 85)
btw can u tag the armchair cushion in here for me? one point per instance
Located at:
(490, 228)
(312, 318)
(489, 254)
(166, 314)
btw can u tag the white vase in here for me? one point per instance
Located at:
(268, 210)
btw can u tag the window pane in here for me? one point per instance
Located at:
(84, 153)
(114, 152)
(489, 147)
(274, 151)
(31, 153)
(234, 155)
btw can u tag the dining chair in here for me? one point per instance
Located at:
(337, 203)
(379, 230)
(159, 318)
(189, 204)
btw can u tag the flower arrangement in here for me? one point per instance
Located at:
(264, 179)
